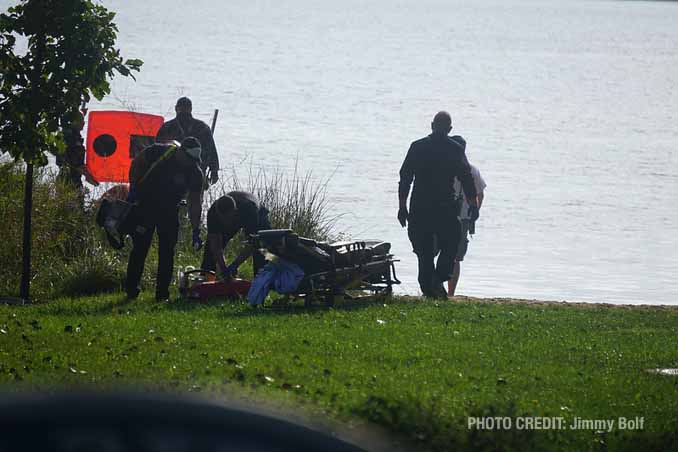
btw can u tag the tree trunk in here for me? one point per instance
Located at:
(37, 104)
(28, 209)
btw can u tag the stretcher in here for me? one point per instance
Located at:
(350, 269)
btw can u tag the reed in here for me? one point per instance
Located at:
(296, 200)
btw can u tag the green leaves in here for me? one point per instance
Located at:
(71, 56)
(134, 64)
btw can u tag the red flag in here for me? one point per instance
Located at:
(114, 138)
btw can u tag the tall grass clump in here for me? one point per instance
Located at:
(68, 253)
(295, 201)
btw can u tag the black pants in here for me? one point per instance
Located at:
(427, 234)
(258, 259)
(167, 225)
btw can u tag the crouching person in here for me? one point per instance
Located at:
(160, 177)
(237, 210)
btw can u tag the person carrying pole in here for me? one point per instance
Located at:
(185, 125)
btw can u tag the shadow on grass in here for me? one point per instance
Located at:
(296, 307)
(112, 304)
(104, 304)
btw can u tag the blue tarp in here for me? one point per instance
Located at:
(281, 275)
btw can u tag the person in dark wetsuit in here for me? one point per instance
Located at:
(160, 177)
(433, 162)
(185, 125)
(237, 210)
(72, 163)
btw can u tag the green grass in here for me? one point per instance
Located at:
(419, 368)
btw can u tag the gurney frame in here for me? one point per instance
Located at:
(349, 270)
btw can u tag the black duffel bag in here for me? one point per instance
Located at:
(117, 217)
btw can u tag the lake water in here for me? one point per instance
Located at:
(569, 109)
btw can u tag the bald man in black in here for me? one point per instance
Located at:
(432, 163)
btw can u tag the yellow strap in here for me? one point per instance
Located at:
(170, 150)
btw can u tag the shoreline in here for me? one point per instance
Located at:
(14, 301)
(588, 304)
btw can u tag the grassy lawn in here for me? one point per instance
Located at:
(416, 367)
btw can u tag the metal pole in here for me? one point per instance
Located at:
(28, 208)
(214, 125)
(214, 119)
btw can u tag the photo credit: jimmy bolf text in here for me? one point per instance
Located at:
(554, 423)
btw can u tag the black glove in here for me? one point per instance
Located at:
(473, 213)
(402, 216)
(232, 269)
(197, 241)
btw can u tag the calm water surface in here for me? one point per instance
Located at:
(569, 109)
